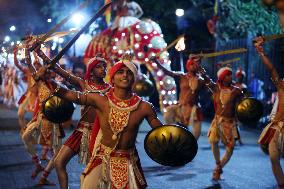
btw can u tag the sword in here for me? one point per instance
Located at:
(214, 54)
(229, 61)
(57, 26)
(273, 37)
(72, 41)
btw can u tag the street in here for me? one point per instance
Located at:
(248, 168)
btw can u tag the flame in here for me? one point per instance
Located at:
(180, 46)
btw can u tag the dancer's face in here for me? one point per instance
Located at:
(228, 78)
(123, 78)
(99, 70)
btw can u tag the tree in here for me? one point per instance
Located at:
(237, 18)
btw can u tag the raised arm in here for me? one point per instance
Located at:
(210, 85)
(258, 43)
(16, 62)
(30, 66)
(165, 70)
(72, 79)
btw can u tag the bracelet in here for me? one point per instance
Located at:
(56, 89)
(36, 77)
(78, 96)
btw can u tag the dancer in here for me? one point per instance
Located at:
(273, 132)
(28, 99)
(50, 134)
(223, 126)
(186, 112)
(78, 142)
(115, 161)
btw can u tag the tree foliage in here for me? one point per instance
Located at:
(237, 18)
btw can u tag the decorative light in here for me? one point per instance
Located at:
(120, 51)
(154, 64)
(137, 35)
(159, 73)
(55, 39)
(18, 42)
(155, 32)
(123, 34)
(136, 45)
(140, 54)
(169, 92)
(162, 35)
(137, 26)
(77, 18)
(146, 37)
(12, 28)
(72, 29)
(116, 39)
(146, 59)
(150, 45)
(165, 110)
(114, 47)
(169, 81)
(173, 92)
(153, 54)
(7, 38)
(60, 40)
(163, 92)
(49, 20)
(53, 46)
(12, 43)
(175, 102)
(170, 102)
(161, 83)
(179, 12)
(165, 102)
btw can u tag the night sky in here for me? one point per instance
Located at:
(24, 14)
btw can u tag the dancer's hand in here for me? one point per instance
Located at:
(258, 44)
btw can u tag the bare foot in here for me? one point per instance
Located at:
(44, 181)
(37, 171)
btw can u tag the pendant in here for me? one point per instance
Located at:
(114, 137)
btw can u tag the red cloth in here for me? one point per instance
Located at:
(222, 73)
(90, 66)
(114, 69)
(21, 100)
(189, 63)
(36, 107)
(74, 141)
(95, 131)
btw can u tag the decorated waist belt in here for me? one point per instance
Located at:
(116, 166)
(84, 153)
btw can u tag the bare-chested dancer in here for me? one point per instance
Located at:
(186, 112)
(115, 161)
(273, 132)
(78, 142)
(223, 126)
